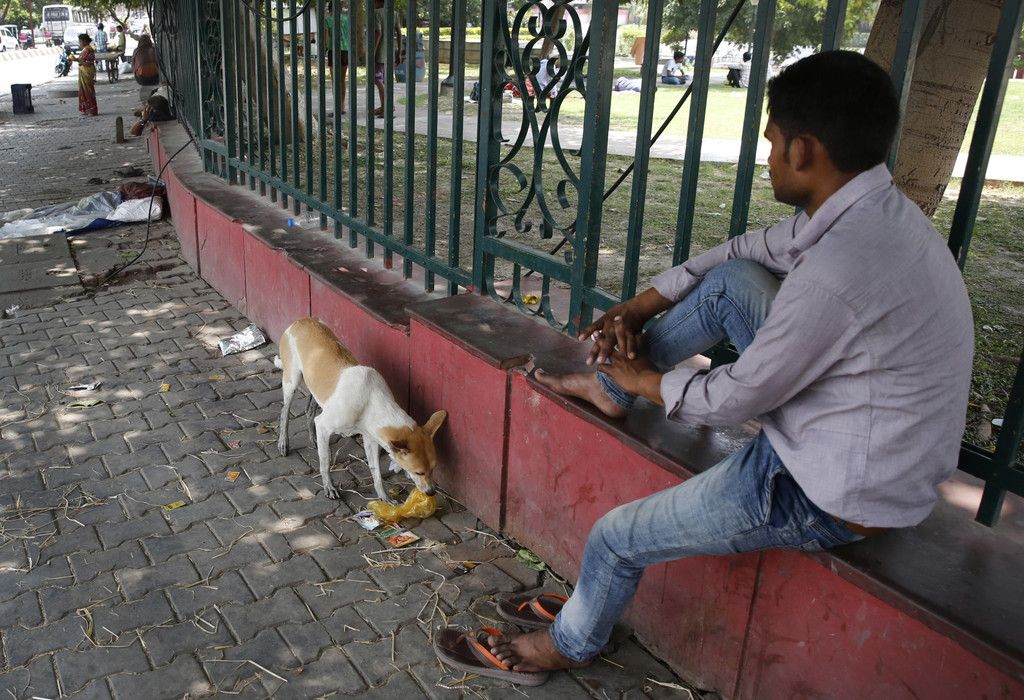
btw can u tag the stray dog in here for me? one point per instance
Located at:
(353, 399)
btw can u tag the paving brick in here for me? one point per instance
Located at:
(121, 464)
(61, 600)
(246, 621)
(68, 436)
(57, 477)
(113, 534)
(331, 673)
(245, 500)
(23, 644)
(265, 578)
(126, 556)
(373, 660)
(212, 507)
(228, 588)
(178, 449)
(77, 668)
(49, 573)
(170, 682)
(138, 439)
(197, 537)
(391, 614)
(167, 642)
(118, 618)
(97, 690)
(138, 582)
(114, 444)
(22, 610)
(37, 679)
(217, 561)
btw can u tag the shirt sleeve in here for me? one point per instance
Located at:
(768, 246)
(807, 331)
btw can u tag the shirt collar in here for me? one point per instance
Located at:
(858, 188)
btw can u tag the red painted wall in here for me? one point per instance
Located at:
(276, 289)
(222, 253)
(475, 395)
(183, 212)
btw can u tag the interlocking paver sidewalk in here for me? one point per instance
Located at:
(254, 588)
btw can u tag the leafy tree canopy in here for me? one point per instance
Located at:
(797, 22)
(117, 11)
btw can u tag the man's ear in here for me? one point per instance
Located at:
(399, 446)
(434, 423)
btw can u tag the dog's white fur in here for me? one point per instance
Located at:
(354, 399)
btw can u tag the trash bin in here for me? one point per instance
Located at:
(21, 94)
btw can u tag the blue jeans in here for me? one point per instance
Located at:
(745, 503)
(672, 80)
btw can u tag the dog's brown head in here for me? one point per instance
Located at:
(413, 449)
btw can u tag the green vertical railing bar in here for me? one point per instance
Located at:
(307, 82)
(835, 21)
(260, 91)
(228, 52)
(1007, 449)
(389, 142)
(750, 134)
(488, 138)
(642, 153)
(991, 106)
(321, 69)
(408, 223)
(294, 66)
(457, 69)
(430, 214)
(904, 60)
(282, 99)
(371, 59)
(250, 94)
(339, 101)
(239, 87)
(596, 114)
(353, 128)
(271, 99)
(695, 130)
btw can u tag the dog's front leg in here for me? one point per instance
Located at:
(288, 386)
(372, 449)
(323, 449)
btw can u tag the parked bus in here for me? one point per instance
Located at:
(57, 18)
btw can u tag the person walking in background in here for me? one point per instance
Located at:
(122, 42)
(100, 43)
(342, 57)
(383, 52)
(144, 62)
(86, 76)
(672, 73)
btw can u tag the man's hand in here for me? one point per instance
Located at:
(622, 327)
(635, 375)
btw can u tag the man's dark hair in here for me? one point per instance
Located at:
(841, 98)
(100, 26)
(747, 56)
(678, 56)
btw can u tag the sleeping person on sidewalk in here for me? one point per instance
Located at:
(855, 338)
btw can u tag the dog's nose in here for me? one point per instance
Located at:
(429, 491)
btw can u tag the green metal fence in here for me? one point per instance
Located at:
(518, 218)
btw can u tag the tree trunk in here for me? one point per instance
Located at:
(270, 85)
(952, 60)
(7, 8)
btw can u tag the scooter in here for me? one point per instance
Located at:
(63, 66)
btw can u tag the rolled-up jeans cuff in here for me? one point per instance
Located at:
(614, 391)
(566, 646)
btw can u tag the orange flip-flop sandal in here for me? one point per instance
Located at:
(468, 651)
(533, 612)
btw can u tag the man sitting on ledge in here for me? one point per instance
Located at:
(856, 342)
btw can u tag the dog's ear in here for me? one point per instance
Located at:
(434, 423)
(400, 446)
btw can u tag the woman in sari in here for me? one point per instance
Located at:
(86, 76)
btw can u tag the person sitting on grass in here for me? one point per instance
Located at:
(673, 73)
(855, 342)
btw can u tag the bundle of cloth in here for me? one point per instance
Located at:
(131, 203)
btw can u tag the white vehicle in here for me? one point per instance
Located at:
(73, 30)
(8, 39)
(57, 18)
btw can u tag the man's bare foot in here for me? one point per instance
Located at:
(582, 385)
(531, 652)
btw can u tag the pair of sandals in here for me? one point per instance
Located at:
(469, 651)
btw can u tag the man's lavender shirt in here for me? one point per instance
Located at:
(860, 374)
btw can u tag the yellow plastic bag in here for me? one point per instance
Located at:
(417, 505)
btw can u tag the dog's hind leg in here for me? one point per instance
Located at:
(323, 449)
(310, 419)
(289, 382)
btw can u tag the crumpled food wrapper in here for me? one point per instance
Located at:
(417, 505)
(251, 337)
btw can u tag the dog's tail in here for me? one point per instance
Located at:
(277, 362)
